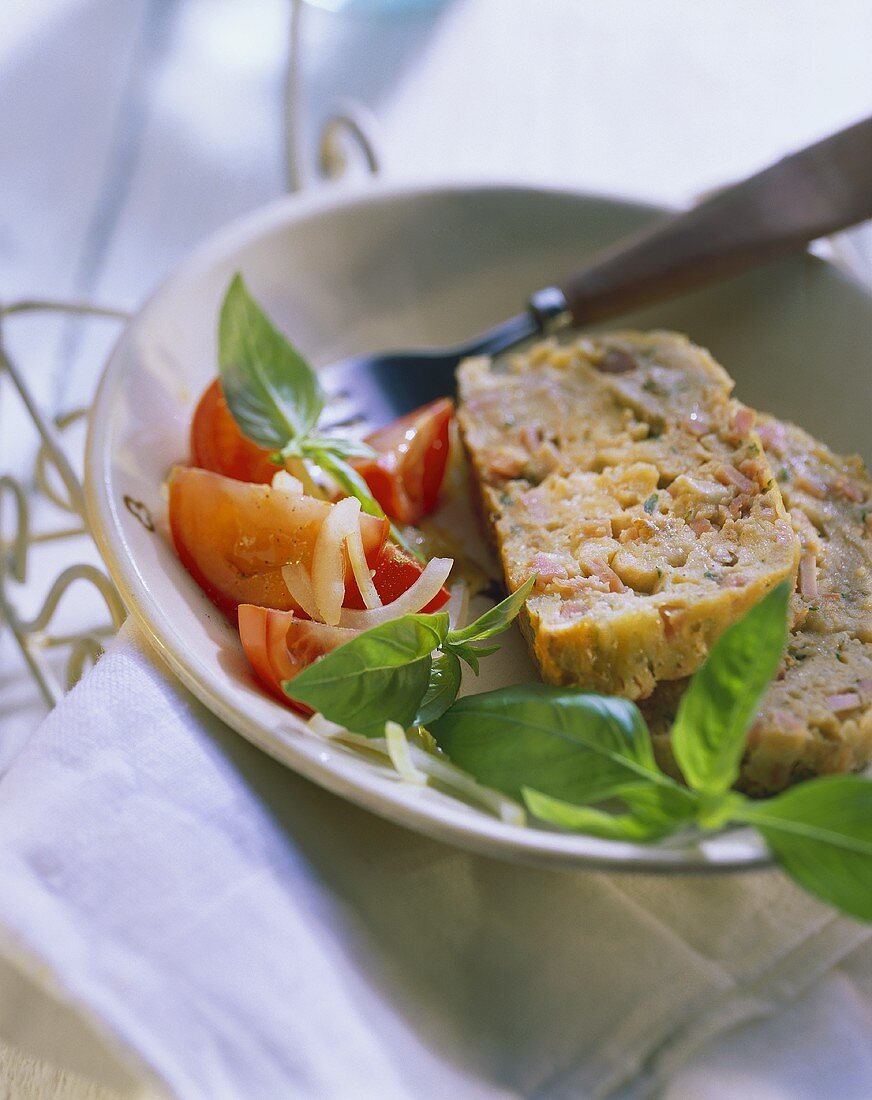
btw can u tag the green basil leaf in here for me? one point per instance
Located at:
(564, 743)
(653, 812)
(708, 737)
(355, 486)
(347, 477)
(442, 690)
(494, 621)
(381, 675)
(470, 654)
(271, 390)
(821, 833)
(338, 446)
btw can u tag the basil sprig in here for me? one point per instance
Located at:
(379, 676)
(561, 742)
(406, 670)
(276, 399)
(271, 390)
(494, 621)
(442, 688)
(565, 754)
(821, 834)
(466, 643)
(649, 813)
(708, 737)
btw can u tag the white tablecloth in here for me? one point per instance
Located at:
(130, 130)
(232, 930)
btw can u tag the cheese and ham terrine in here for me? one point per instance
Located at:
(816, 719)
(621, 473)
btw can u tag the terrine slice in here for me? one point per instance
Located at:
(816, 718)
(619, 470)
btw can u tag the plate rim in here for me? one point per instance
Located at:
(488, 836)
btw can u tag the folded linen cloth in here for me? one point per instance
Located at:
(226, 929)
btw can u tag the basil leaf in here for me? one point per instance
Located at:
(355, 486)
(654, 812)
(379, 676)
(494, 621)
(714, 811)
(470, 654)
(563, 743)
(442, 690)
(708, 737)
(821, 833)
(271, 390)
(338, 446)
(347, 477)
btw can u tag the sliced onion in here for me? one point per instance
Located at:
(328, 560)
(360, 569)
(401, 758)
(287, 483)
(434, 766)
(413, 599)
(299, 584)
(458, 605)
(323, 726)
(459, 782)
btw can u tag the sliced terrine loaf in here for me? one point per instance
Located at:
(816, 719)
(829, 498)
(620, 472)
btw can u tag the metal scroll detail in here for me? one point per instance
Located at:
(346, 136)
(62, 499)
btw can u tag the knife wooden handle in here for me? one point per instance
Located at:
(820, 189)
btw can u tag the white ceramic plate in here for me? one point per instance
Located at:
(396, 267)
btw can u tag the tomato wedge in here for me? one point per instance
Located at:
(393, 572)
(233, 537)
(405, 479)
(407, 476)
(217, 443)
(278, 646)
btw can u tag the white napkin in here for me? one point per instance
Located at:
(227, 929)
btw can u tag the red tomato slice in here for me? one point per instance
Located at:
(233, 537)
(405, 479)
(407, 475)
(278, 646)
(217, 443)
(394, 571)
